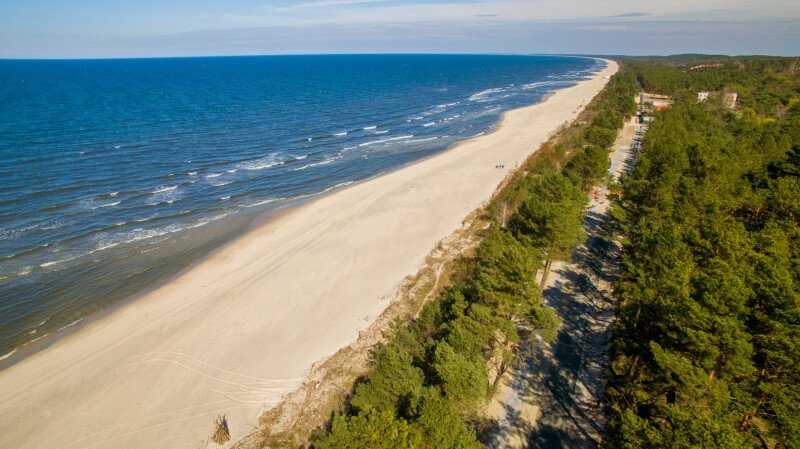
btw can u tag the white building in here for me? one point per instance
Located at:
(729, 100)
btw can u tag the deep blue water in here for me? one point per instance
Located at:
(117, 173)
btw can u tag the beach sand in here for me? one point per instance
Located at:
(235, 332)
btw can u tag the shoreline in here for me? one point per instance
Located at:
(284, 206)
(31, 348)
(263, 218)
(184, 345)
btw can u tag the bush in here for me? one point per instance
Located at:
(587, 168)
(440, 424)
(463, 378)
(374, 429)
(392, 378)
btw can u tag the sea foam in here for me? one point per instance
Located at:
(261, 163)
(389, 139)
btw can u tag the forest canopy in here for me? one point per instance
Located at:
(707, 339)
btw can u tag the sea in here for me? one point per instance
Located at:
(117, 174)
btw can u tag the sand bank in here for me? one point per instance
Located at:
(237, 331)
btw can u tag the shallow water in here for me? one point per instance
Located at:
(117, 173)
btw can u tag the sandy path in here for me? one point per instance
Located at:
(240, 329)
(553, 399)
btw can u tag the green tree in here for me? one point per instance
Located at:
(463, 378)
(587, 168)
(392, 378)
(374, 429)
(440, 424)
(505, 274)
(551, 218)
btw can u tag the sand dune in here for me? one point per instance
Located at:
(241, 328)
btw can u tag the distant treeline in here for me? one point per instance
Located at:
(707, 338)
(429, 383)
(765, 84)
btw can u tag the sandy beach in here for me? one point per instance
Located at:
(243, 327)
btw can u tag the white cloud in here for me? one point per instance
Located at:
(324, 4)
(301, 26)
(395, 11)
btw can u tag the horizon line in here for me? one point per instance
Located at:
(256, 55)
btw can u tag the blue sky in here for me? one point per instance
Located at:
(140, 28)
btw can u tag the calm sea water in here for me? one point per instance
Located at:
(117, 173)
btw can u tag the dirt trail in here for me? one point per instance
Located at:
(552, 399)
